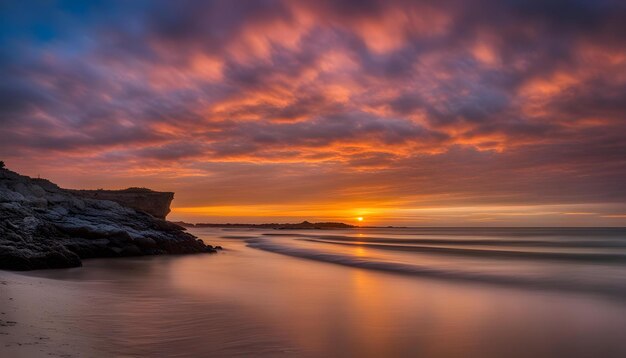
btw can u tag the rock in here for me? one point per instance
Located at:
(59, 211)
(44, 226)
(145, 242)
(10, 196)
(30, 223)
(131, 250)
(37, 191)
(151, 202)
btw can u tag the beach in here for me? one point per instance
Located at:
(277, 293)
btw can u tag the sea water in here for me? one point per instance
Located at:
(371, 292)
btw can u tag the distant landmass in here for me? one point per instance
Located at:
(276, 226)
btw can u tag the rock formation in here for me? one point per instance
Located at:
(154, 203)
(44, 226)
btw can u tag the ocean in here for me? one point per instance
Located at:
(370, 292)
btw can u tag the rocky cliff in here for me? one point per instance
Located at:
(154, 203)
(44, 226)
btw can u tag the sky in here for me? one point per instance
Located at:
(446, 113)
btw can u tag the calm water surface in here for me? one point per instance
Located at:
(357, 293)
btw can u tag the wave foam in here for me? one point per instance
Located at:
(558, 283)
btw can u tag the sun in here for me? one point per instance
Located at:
(360, 218)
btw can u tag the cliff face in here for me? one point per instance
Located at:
(151, 202)
(44, 226)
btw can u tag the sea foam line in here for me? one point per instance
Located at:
(549, 283)
(487, 253)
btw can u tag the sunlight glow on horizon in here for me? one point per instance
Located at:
(486, 215)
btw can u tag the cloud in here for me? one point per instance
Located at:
(408, 97)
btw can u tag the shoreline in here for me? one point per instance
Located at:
(29, 311)
(246, 304)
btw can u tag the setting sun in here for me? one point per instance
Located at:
(360, 218)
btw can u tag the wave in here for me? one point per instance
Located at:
(544, 282)
(532, 255)
(569, 232)
(469, 242)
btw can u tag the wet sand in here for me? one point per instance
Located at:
(31, 315)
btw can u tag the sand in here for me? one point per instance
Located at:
(29, 314)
